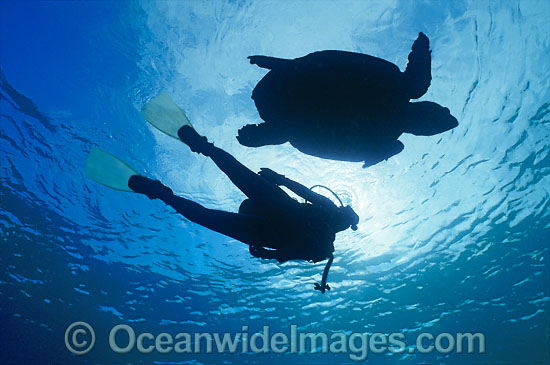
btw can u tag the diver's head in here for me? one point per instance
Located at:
(347, 218)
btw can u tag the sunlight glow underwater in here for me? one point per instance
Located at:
(453, 235)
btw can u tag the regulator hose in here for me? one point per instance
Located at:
(329, 189)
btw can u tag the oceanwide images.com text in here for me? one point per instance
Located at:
(80, 339)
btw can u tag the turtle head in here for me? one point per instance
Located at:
(427, 118)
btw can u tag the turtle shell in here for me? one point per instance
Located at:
(330, 88)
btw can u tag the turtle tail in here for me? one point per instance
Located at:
(418, 73)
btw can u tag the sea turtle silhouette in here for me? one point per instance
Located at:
(343, 105)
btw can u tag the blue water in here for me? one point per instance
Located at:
(453, 234)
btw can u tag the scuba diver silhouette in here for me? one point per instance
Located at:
(274, 225)
(343, 105)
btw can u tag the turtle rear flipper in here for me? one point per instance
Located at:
(263, 134)
(418, 74)
(271, 63)
(383, 152)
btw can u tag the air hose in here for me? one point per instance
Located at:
(329, 189)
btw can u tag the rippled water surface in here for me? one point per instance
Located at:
(453, 235)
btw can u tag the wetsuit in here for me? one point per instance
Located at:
(269, 218)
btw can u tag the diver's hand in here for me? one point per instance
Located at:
(272, 176)
(321, 288)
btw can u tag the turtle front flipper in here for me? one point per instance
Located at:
(271, 63)
(418, 74)
(257, 135)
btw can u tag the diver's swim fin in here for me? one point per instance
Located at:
(164, 114)
(108, 170)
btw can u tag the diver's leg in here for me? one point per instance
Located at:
(243, 227)
(257, 135)
(246, 228)
(251, 184)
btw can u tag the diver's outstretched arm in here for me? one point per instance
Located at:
(296, 188)
(269, 62)
(324, 286)
(308, 194)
